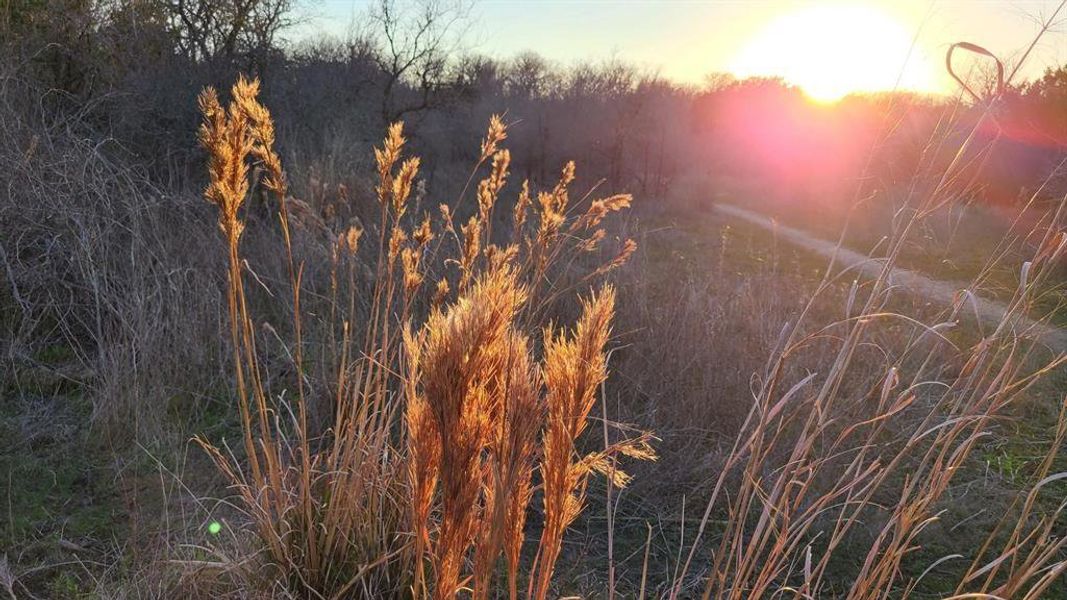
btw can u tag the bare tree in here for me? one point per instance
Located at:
(208, 29)
(528, 76)
(414, 41)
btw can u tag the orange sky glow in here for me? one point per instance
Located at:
(828, 48)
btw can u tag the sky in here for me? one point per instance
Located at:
(819, 44)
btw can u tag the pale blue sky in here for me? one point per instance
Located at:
(686, 39)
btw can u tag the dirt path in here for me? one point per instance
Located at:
(940, 292)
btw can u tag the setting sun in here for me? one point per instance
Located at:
(832, 50)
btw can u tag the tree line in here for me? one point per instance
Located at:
(129, 70)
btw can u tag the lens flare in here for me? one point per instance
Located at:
(832, 50)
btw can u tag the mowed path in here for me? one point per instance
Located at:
(940, 292)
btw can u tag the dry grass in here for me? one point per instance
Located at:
(423, 480)
(835, 475)
(459, 407)
(422, 405)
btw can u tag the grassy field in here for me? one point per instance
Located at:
(78, 520)
(528, 390)
(712, 246)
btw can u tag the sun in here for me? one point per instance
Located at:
(831, 50)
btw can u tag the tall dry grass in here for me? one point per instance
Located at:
(839, 474)
(443, 412)
(455, 408)
(836, 476)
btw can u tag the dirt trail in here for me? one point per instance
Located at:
(940, 292)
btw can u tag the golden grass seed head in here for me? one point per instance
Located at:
(386, 158)
(521, 206)
(591, 243)
(245, 94)
(472, 239)
(396, 241)
(409, 258)
(440, 295)
(226, 136)
(559, 193)
(351, 239)
(402, 185)
(446, 217)
(489, 188)
(424, 234)
(499, 258)
(628, 249)
(496, 134)
(598, 209)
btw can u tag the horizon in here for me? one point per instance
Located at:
(744, 39)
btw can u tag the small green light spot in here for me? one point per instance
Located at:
(214, 528)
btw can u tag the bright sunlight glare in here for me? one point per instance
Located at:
(832, 50)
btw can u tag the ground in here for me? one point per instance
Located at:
(78, 511)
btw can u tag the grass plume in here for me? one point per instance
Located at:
(424, 479)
